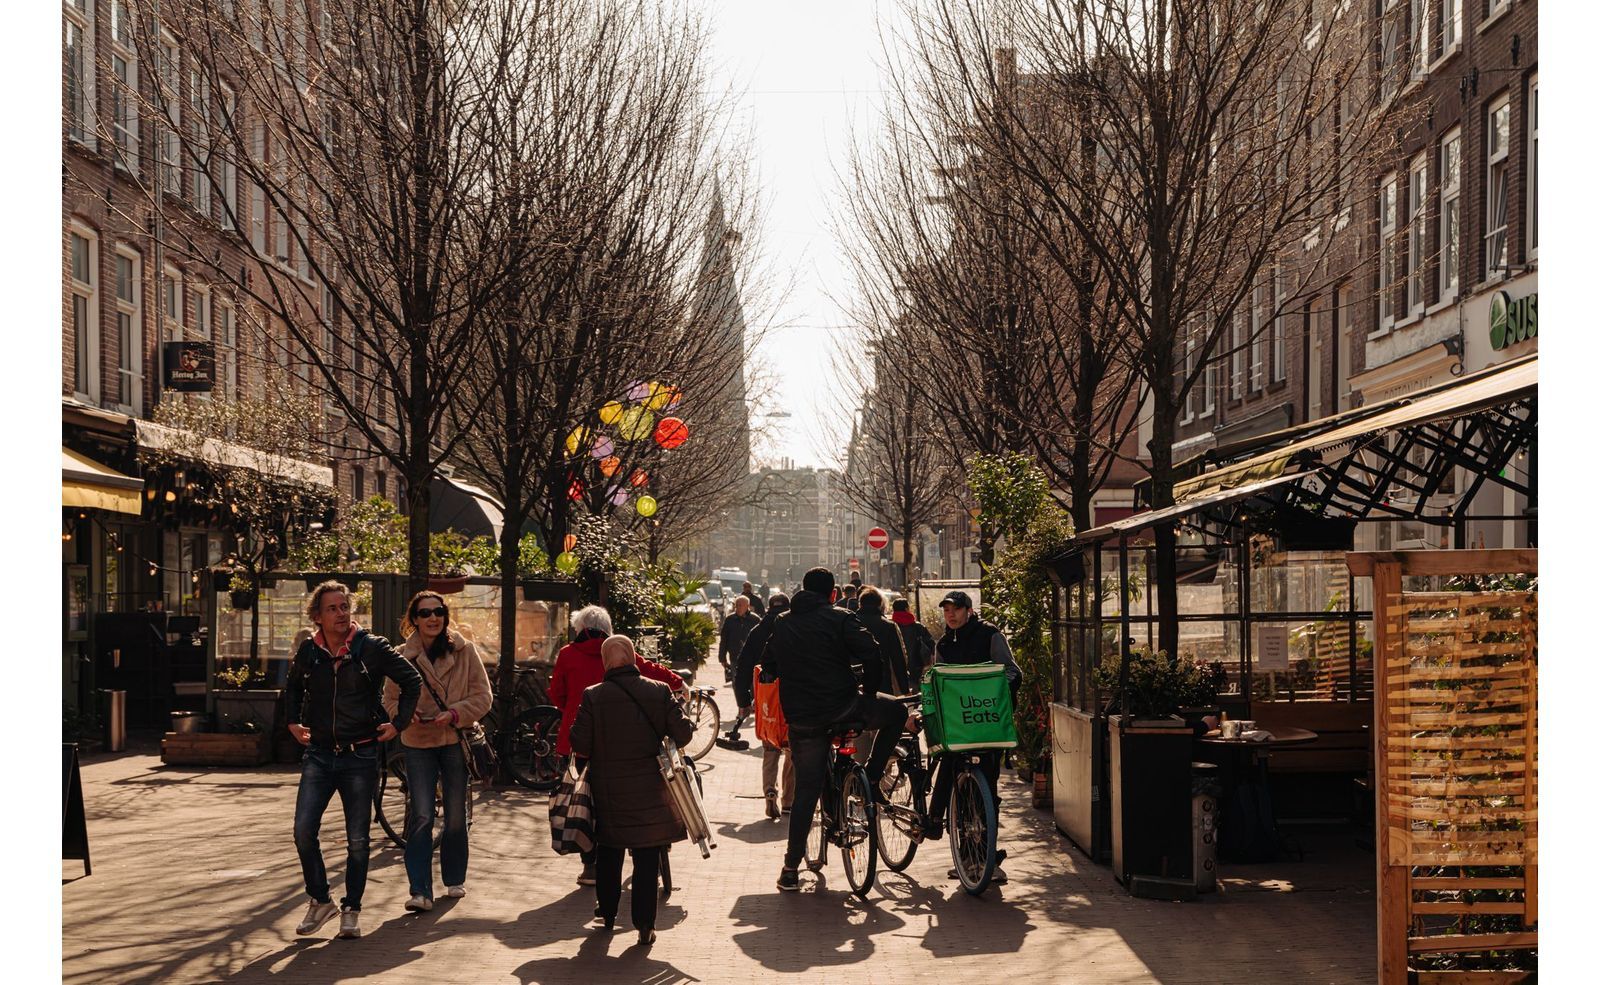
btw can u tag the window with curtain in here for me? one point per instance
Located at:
(1416, 235)
(85, 317)
(1387, 222)
(77, 69)
(1497, 188)
(1450, 215)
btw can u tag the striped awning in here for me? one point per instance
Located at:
(86, 484)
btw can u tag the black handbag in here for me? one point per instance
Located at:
(482, 763)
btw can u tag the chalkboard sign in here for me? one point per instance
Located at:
(74, 828)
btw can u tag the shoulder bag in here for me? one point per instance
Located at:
(482, 763)
(572, 813)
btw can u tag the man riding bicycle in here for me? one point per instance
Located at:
(813, 648)
(970, 640)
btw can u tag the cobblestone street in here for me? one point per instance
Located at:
(195, 880)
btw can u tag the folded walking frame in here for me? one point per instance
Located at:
(685, 793)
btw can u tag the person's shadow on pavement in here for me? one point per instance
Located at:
(799, 931)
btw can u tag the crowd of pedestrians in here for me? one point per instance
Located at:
(809, 663)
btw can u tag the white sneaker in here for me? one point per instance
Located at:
(455, 892)
(419, 904)
(349, 924)
(317, 914)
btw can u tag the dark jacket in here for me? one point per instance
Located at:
(753, 654)
(735, 630)
(756, 605)
(632, 808)
(346, 705)
(919, 645)
(979, 642)
(814, 649)
(894, 647)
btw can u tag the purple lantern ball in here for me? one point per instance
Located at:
(638, 391)
(619, 497)
(603, 448)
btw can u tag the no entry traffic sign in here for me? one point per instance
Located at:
(877, 538)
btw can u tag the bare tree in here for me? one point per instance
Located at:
(1221, 143)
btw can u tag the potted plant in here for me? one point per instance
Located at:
(243, 705)
(1152, 849)
(1200, 686)
(242, 592)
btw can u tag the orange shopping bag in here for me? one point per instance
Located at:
(771, 726)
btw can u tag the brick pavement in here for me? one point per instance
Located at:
(195, 880)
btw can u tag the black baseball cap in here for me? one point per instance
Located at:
(956, 598)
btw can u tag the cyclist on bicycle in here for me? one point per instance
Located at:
(814, 648)
(970, 640)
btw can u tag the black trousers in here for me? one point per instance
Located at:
(944, 779)
(646, 880)
(808, 747)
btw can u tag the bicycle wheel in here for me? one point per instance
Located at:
(972, 830)
(817, 838)
(702, 712)
(896, 818)
(858, 835)
(529, 748)
(391, 800)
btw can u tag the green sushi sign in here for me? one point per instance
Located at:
(1511, 321)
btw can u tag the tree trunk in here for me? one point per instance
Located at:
(505, 702)
(419, 498)
(1166, 573)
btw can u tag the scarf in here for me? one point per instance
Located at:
(904, 618)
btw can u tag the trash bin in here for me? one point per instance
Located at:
(114, 712)
(187, 722)
(1206, 790)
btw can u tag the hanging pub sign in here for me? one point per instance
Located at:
(188, 367)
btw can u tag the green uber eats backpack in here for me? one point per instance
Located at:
(967, 707)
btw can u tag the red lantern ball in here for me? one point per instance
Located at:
(671, 432)
(639, 478)
(575, 491)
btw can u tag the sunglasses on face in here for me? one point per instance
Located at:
(441, 611)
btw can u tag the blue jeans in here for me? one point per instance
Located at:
(355, 776)
(424, 769)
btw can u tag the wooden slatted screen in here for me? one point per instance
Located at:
(1456, 743)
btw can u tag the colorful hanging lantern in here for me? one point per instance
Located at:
(609, 466)
(577, 439)
(639, 478)
(638, 391)
(575, 491)
(567, 562)
(646, 506)
(636, 424)
(619, 495)
(569, 542)
(662, 396)
(671, 433)
(602, 447)
(611, 412)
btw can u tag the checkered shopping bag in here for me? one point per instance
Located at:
(572, 814)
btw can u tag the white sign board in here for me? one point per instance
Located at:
(1271, 651)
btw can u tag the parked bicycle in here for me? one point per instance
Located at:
(528, 747)
(845, 816)
(700, 707)
(970, 816)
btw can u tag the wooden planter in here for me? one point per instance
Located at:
(264, 707)
(216, 749)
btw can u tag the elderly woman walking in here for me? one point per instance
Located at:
(620, 725)
(455, 694)
(578, 667)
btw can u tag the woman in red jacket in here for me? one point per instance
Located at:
(578, 666)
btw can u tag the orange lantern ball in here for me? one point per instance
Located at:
(569, 542)
(639, 477)
(671, 433)
(609, 465)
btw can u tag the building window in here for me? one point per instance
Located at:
(258, 194)
(200, 112)
(1387, 216)
(85, 316)
(1450, 215)
(1421, 36)
(1236, 354)
(1280, 333)
(1416, 235)
(1495, 7)
(1185, 374)
(359, 483)
(1497, 188)
(124, 88)
(228, 173)
(227, 351)
(77, 55)
(1259, 314)
(1448, 37)
(1392, 30)
(1208, 405)
(1533, 168)
(169, 106)
(130, 333)
(172, 304)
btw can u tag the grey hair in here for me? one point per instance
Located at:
(592, 617)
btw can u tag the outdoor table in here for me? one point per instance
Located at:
(1247, 831)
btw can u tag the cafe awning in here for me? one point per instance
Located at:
(174, 441)
(1198, 504)
(463, 507)
(86, 484)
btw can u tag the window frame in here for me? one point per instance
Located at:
(1237, 361)
(225, 326)
(1388, 215)
(130, 339)
(87, 345)
(1449, 266)
(1278, 344)
(80, 117)
(1497, 166)
(228, 176)
(1421, 37)
(1416, 296)
(169, 118)
(1530, 181)
(1258, 336)
(124, 90)
(200, 108)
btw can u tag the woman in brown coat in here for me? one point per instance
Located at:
(621, 722)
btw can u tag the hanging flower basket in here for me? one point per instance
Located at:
(447, 584)
(242, 600)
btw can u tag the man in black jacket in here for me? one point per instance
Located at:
(335, 709)
(815, 648)
(735, 630)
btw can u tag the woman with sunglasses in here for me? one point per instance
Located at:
(455, 694)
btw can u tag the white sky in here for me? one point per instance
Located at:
(803, 75)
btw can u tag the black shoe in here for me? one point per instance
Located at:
(647, 937)
(789, 880)
(610, 923)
